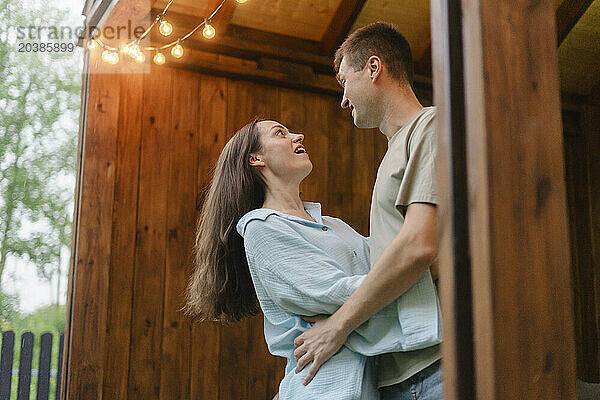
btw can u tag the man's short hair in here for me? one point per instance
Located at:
(377, 39)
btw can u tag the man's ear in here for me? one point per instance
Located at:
(375, 67)
(256, 160)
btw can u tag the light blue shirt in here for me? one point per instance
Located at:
(300, 267)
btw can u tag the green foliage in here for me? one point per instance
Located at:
(39, 108)
(9, 309)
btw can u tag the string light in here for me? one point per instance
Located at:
(165, 27)
(110, 54)
(111, 57)
(159, 58)
(209, 30)
(177, 50)
(132, 50)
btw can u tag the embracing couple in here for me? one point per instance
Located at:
(355, 317)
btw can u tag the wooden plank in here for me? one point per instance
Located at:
(454, 258)
(122, 251)
(65, 357)
(246, 43)
(590, 372)
(339, 25)
(43, 381)
(181, 211)
(567, 15)
(246, 100)
(206, 336)
(223, 17)
(307, 113)
(211, 64)
(149, 274)
(297, 18)
(293, 109)
(339, 161)
(521, 279)
(234, 344)
(25, 359)
(363, 176)
(88, 297)
(586, 325)
(6, 363)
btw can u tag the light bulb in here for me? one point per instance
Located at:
(110, 57)
(165, 28)
(177, 51)
(159, 58)
(92, 44)
(132, 50)
(241, 1)
(140, 57)
(208, 31)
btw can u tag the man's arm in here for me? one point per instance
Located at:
(402, 263)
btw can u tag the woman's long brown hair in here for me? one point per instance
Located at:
(220, 287)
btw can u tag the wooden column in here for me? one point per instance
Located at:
(585, 204)
(522, 323)
(522, 305)
(455, 269)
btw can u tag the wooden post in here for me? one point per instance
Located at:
(587, 312)
(502, 54)
(455, 269)
(522, 303)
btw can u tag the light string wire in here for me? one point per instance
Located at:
(158, 18)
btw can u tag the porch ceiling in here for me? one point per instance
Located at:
(308, 32)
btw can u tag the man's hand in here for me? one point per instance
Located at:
(317, 344)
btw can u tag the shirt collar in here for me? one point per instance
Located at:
(314, 209)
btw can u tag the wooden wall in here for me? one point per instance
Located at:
(148, 149)
(582, 165)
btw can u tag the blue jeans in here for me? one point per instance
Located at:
(424, 385)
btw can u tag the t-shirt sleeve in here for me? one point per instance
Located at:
(419, 183)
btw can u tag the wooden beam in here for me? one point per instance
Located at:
(567, 16)
(224, 15)
(454, 257)
(340, 25)
(582, 168)
(266, 70)
(521, 281)
(248, 43)
(589, 292)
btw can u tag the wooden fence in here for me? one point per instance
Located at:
(25, 362)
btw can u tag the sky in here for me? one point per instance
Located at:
(20, 274)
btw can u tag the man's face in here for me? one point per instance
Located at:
(358, 94)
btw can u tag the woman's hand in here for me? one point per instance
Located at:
(317, 344)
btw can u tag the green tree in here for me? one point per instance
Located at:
(39, 108)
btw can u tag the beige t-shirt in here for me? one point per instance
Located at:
(407, 174)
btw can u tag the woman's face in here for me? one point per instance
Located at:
(283, 154)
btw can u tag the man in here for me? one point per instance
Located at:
(374, 66)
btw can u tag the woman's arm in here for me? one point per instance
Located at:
(302, 279)
(297, 275)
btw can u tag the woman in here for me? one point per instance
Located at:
(258, 242)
